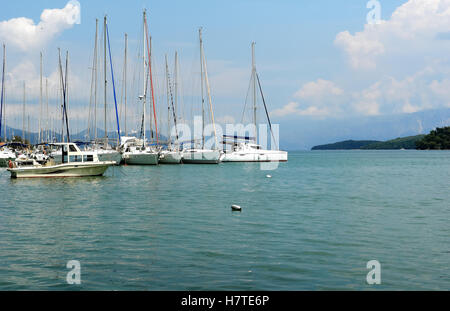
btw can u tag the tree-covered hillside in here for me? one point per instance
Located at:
(438, 139)
(345, 145)
(395, 144)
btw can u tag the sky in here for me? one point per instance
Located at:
(319, 61)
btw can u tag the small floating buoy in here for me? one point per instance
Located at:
(236, 208)
(269, 176)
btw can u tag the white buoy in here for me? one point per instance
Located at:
(236, 208)
(269, 176)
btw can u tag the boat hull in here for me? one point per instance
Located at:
(201, 157)
(144, 158)
(272, 156)
(110, 156)
(61, 170)
(170, 157)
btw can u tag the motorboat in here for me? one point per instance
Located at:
(74, 164)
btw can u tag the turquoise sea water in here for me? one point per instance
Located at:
(313, 226)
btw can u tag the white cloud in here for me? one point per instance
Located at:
(294, 109)
(317, 98)
(417, 23)
(24, 34)
(318, 90)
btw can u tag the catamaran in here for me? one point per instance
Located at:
(246, 149)
(74, 164)
(202, 155)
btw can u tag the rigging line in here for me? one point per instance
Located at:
(246, 98)
(151, 81)
(173, 107)
(265, 108)
(63, 86)
(114, 86)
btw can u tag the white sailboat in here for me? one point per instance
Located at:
(136, 151)
(246, 149)
(202, 155)
(74, 164)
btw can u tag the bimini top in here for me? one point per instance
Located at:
(13, 144)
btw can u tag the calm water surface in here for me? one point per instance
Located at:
(313, 226)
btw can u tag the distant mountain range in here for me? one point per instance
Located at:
(33, 138)
(398, 143)
(302, 133)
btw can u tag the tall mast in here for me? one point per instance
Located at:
(93, 97)
(254, 90)
(40, 105)
(209, 100)
(201, 83)
(176, 82)
(62, 94)
(125, 81)
(168, 101)
(23, 113)
(2, 108)
(47, 116)
(66, 96)
(152, 116)
(106, 81)
(144, 81)
(95, 76)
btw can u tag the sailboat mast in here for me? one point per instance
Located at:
(23, 113)
(66, 96)
(95, 76)
(2, 109)
(93, 87)
(40, 105)
(209, 100)
(125, 81)
(168, 101)
(201, 83)
(62, 95)
(176, 82)
(106, 81)
(144, 98)
(254, 90)
(47, 116)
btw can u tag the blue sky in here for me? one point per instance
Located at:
(318, 60)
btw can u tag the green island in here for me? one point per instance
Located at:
(438, 139)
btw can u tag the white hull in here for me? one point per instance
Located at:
(261, 156)
(141, 158)
(109, 155)
(62, 170)
(200, 156)
(170, 157)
